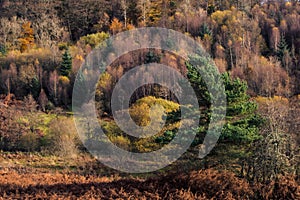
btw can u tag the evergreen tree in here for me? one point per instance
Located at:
(282, 48)
(152, 57)
(2, 49)
(242, 123)
(205, 30)
(66, 65)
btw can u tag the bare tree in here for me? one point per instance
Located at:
(186, 8)
(9, 31)
(15, 30)
(144, 6)
(8, 76)
(273, 155)
(5, 28)
(53, 86)
(124, 8)
(48, 30)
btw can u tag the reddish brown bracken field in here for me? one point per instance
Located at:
(21, 182)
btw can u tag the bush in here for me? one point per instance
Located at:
(29, 142)
(63, 139)
(141, 110)
(94, 40)
(121, 142)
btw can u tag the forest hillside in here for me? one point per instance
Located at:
(252, 47)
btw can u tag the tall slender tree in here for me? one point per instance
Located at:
(27, 37)
(66, 65)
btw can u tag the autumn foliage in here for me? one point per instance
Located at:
(254, 44)
(204, 184)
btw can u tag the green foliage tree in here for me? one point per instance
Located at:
(2, 49)
(205, 30)
(152, 57)
(282, 49)
(66, 65)
(242, 121)
(242, 124)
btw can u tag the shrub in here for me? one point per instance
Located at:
(22, 126)
(63, 140)
(94, 40)
(121, 142)
(29, 142)
(140, 111)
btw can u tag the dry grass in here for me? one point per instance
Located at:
(204, 184)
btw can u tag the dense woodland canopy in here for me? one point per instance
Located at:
(256, 41)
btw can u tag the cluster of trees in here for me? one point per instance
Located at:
(256, 41)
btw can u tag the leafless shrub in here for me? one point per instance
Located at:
(63, 137)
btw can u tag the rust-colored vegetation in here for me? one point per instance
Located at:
(203, 184)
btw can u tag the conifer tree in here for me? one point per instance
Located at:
(66, 65)
(282, 49)
(242, 124)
